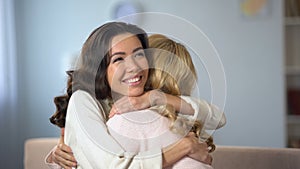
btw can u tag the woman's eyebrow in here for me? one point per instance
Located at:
(118, 53)
(123, 53)
(136, 49)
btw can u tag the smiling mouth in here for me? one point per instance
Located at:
(133, 81)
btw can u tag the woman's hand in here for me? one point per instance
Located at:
(199, 150)
(187, 146)
(148, 99)
(63, 155)
(128, 104)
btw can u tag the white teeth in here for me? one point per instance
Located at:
(133, 80)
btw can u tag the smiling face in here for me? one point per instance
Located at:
(127, 71)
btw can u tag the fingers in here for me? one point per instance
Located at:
(191, 134)
(127, 104)
(157, 97)
(63, 162)
(62, 135)
(200, 150)
(64, 157)
(120, 106)
(112, 112)
(208, 160)
(66, 149)
(62, 132)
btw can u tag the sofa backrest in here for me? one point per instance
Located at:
(238, 157)
(36, 150)
(225, 157)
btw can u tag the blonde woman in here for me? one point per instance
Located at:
(160, 126)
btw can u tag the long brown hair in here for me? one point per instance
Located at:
(90, 74)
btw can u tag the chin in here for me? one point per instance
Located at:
(135, 93)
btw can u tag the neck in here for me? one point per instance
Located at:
(116, 96)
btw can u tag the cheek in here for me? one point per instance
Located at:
(110, 75)
(144, 64)
(114, 73)
(145, 67)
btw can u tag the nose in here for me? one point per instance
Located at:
(132, 65)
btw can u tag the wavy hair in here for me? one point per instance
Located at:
(90, 74)
(174, 73)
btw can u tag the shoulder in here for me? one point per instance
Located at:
(84, 104)
(81, 94)
(82, 97)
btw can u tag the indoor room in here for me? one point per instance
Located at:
(246, 54)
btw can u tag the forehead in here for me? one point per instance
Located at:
(125, 42)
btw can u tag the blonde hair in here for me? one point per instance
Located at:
(174, 73)
(174, 69)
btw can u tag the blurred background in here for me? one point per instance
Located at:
(39, 38)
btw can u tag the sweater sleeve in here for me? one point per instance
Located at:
(210, 115)
(93, 147)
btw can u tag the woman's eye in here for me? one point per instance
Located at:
(117, 59)
(140, 54)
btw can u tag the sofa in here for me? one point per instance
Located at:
(225, 157)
